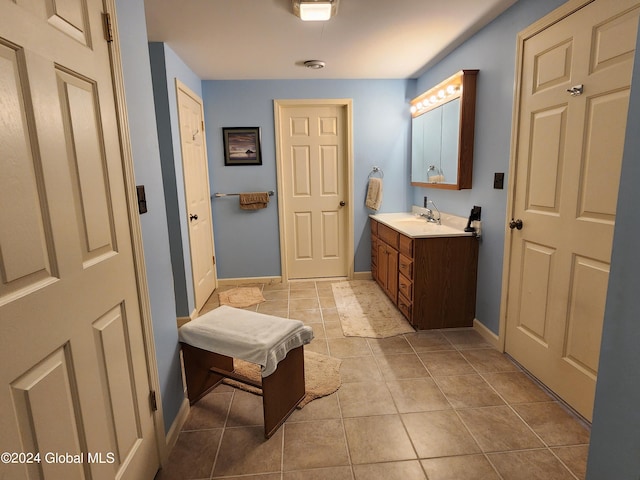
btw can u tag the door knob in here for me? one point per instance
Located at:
(342, 203)
(193, 217)
(515, 224)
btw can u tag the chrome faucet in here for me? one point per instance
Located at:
(429, 214)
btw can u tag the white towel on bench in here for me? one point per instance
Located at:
(250, 336)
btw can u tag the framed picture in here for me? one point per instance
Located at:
(241, 146)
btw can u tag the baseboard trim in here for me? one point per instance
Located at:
(176, 426)
(249, 280)
(362, 276)
(487, 334)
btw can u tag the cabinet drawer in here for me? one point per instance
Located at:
(405, 266)
(388, 235)
(405, 286)
(406, 246)
(404, 306)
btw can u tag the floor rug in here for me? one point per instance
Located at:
(241, 297)
(365, 311)
(321, 376)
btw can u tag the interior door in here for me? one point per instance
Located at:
(197, 192)
(575, 84)
(74, 373)
(314, 191)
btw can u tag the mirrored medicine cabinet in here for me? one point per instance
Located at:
(442, 133)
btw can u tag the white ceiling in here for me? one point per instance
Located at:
(262, 39)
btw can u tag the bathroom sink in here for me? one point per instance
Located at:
(415, 226)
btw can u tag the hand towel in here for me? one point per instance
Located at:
(374, 194)
(254, 200)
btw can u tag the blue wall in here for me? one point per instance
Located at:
(493, 52)
(247, 243)
(615, 437)
(166, 67)
(155, 235)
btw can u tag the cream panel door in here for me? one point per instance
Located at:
(315, 190)
(197, 192)
(573, 108)
(74, 371)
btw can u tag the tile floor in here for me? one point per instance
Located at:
(437, 405)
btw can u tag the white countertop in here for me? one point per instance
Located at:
(414, 226)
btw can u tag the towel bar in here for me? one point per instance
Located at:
(216, 195)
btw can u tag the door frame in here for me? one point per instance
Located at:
(347, 104)
(545, 22)
(136, 231)
(183, 88)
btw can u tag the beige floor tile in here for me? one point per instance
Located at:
(274, 307)
(465, 338)
(417, 395)
(365, 399)
(271, 295)
(244, 451)
(266, 476)
(327, 302)
(498, 429)
(330, 315)
(360, 369)
(246, 410)
(309, 292)
(439, 434)
(209, 412)
(489, 360)
(426, 341)
(309, 317)
(275, 286)
(303, 303)
(408, 470)
(320, 409)
(516, 387)
(333, 329)
(348, 347)
(575, 458)
(468, 467)
(319, 443)
(330, 473)
(302, 284)
(446, 363)
(530, 465)
(378, 439)
(399, 366)
(193, 455)
(318, 345)
(555, 425)
(468, 391)
(397, 344)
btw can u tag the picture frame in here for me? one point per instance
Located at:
(241, 146)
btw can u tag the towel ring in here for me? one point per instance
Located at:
(375, 170)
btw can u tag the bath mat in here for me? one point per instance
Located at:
(241, 297)
(321, 376)
(365, 311)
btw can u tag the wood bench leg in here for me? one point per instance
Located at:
(283, 390)
(197, 369)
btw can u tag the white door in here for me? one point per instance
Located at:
(575, 85)
(74, 385)
(197, 192)
(314, 192)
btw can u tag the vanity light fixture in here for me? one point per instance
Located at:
(448, 90)
(315, 10)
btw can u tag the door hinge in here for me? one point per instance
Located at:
(153, 400)
(214, 259)
(202, 121)
(108, 27)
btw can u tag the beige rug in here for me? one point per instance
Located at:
(321, 376)
(365, 311)
(241, 297)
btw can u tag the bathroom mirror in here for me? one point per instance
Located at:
(442, 133)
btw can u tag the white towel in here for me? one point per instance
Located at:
(250, 336)
(374, 194)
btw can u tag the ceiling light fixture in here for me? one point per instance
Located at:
(315, 10)
(314, 64)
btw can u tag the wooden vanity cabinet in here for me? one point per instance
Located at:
(432, 281)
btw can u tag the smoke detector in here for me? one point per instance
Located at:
(314, 64)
